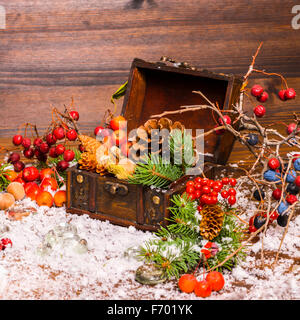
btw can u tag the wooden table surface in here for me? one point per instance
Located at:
(53, 50)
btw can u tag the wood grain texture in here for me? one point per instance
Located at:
(52, 50)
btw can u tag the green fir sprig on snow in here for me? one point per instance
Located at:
(177, 248)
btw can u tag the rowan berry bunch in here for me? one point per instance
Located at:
(207, 191)
(61, 130)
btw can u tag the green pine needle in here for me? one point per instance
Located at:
(177, 248)
(154, 172)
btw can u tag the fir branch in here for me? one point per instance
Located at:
(154, 172)
(177, 247)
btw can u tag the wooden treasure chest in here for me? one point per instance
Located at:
(152, 89)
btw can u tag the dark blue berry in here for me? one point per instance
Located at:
(256, 195)
(282, 220)
(259, 221)
(252, 139)
(292, 189)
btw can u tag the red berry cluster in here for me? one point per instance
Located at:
(41, 148)
(206, 191)
(262, 96)
(4, 243)
(287, 94)
(214, 281)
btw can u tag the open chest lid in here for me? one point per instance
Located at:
(156, 87)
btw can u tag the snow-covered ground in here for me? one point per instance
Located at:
(106, 272)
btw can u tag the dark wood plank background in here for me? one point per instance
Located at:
(52, 50)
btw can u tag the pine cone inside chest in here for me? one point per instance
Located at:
(152, 136)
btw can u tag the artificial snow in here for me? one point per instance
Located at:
(107, 270)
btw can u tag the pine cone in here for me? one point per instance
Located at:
(89, 144)
(88, 161)
(212, 221)
(151, 131)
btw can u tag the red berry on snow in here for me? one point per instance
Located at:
(202, 289)
(6, 242)
(216, 280)
(273, 163)
(281, 95)
(259, 111)
(290, 93)
(257, 90)
(17, 140)
(264, 97)
(187, 283)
